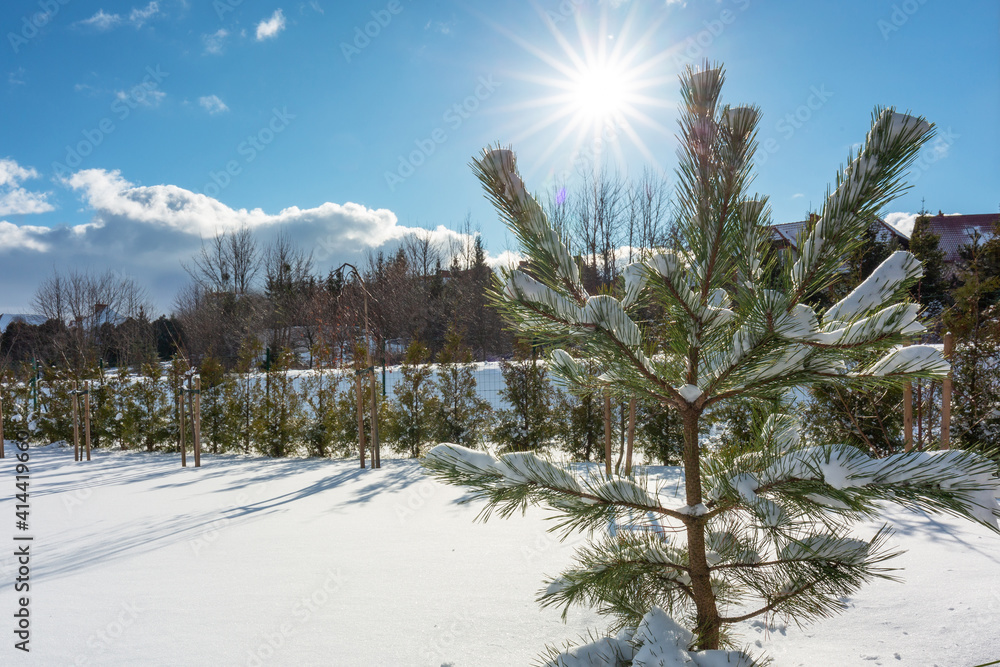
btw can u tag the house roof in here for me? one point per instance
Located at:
(957, 230)
(6, 319)
(788, 232)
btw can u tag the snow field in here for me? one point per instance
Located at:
(253, 561)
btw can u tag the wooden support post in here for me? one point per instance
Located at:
(908, 417)
(949, 345)
(361, 419)
(1, 424)
(76, 424)
(197, 422)
(607, 432)
(86, 419)
(376, 454)
(631, 436)
(180, 422)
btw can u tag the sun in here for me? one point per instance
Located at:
(600, 91)
(604, 88)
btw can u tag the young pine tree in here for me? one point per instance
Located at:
(462, 417)
(411, 419)
(527, 424)
(767, 530)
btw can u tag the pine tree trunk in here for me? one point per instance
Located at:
(708, 624)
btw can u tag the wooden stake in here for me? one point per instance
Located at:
(361, 420)
(607, 432)
(631, 436)
(1, 424)
(76, 425)
(376, 454)
(86, 418)
(949, 345)
(181, 426)
(197, 422)
(908, 417)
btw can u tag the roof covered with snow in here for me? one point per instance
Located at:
(787, 233)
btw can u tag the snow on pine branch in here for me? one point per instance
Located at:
(498, 171)
(911, 359)
(868, 182)
(884, 283)
(658, 641)
(966, 476)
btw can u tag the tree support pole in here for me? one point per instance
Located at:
(181, 425)
(361, 420)
(631, 436)
(607, 432)
(197, 422)
(1, 424)
(908, 417)
(949, 344)
(86, 419)
(76, 424)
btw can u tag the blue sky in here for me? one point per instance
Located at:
(131, 130)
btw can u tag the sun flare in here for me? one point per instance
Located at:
(601, 91)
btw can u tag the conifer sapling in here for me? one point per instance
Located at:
(764, 529)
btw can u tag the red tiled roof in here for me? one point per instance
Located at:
(956, 231)
(788, 232)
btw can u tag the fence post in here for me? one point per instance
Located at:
(86, 419)
(76, 424)
(631, 436)
(361, 418)
(197, 421)
(607, 432)
(180, 422)
(376, 454)
(949, 344)
(1, 423)
(908, 417)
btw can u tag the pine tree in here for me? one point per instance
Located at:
(768, 531)
(932, 288)
(462, 417)
(411, 417)
(527, 424)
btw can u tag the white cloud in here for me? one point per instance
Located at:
(145, 94)
(316, 6)
(212, 104)
(138, 17)
(15, 200)
(271, 27)
(102, 20)
(147, 231)
(216, 42)
(901, 221)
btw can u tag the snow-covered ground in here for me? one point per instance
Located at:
(251, 561)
